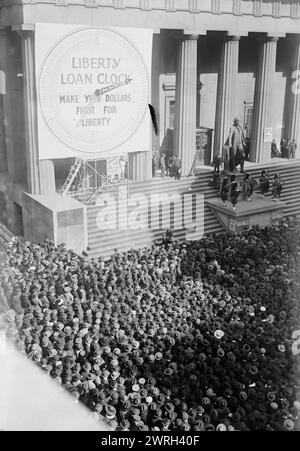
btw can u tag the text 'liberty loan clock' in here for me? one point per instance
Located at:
(94, 90)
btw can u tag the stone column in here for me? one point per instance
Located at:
(3, 153)
(30, 102)
(292, 126)
(47, 177)
(40, 175)
(3, 100)
(226, 92)
(186, 103)
(3, 71)
(262, 111)
(140, 166)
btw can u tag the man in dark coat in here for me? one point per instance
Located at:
(177, 168)
(217, 163)
(273, 149)
(293, 149)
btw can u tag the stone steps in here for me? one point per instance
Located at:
(104, 242)
(290, 174)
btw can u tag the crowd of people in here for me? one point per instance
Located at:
(264, 185)
(186, 336)
(231, 188)
(287, 150)
(167, 166)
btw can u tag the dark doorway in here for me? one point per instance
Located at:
(203, 146)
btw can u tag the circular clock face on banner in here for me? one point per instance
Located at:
(93, 90)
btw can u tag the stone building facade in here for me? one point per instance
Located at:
(212, 60)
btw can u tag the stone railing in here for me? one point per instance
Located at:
(258, 8)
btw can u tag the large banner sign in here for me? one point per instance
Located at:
(93, 91)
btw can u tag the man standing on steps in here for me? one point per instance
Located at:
(163, 165)
(177, 168)
(293, 149)
(273, 149)
(236, 144)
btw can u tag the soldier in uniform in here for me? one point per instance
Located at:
(264, 183)
(277, 187)
(248, 187)
(224, 190)
(234, 192)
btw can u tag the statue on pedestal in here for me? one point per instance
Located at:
(235, 147)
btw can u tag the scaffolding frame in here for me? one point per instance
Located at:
(84, 181)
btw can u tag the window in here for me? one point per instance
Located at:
(172, 114)
(248, 119)
(169, 111)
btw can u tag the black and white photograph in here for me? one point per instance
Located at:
(150, 218)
